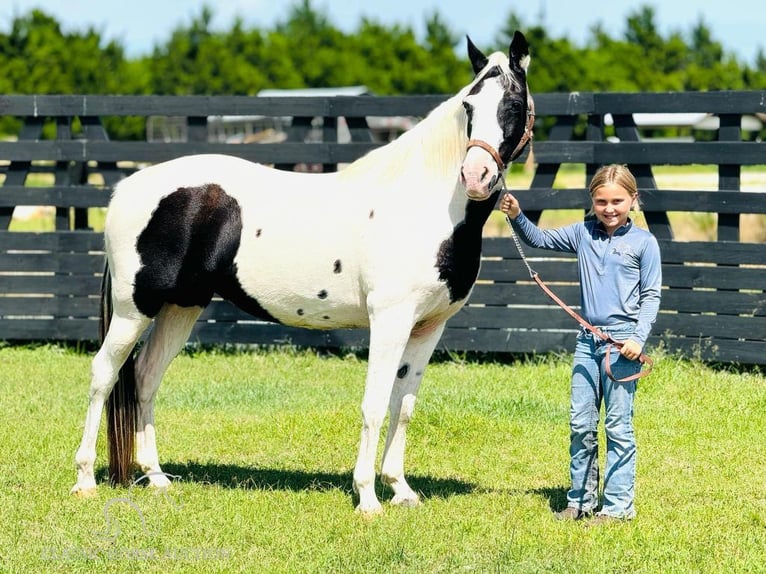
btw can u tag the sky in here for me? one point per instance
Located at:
(141, 24)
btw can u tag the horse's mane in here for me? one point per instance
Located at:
(437, 143)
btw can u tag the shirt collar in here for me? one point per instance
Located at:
(622, 230)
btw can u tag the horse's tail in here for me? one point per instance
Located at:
(122, 406)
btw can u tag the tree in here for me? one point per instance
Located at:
(642, 31)
(38, 57)
(307, 50)
(448, 72)
(197, 60)
(704, 50)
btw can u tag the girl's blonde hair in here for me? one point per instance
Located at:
(618, 174)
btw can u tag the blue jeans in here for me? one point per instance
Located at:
(591, 386)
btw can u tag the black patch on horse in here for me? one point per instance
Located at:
(511, 107)
(187, 252)
(459, 255)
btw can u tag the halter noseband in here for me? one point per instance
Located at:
(525, 138)
(490, 150)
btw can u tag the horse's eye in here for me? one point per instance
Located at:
(468, 108)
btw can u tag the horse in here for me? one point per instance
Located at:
(392, 243)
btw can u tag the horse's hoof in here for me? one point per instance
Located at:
(369, 511)
(406, 502)
(81, 492)
(160, 483)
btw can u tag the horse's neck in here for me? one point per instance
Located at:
(431, 151)
(442, 136)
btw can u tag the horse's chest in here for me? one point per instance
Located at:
(458, 260)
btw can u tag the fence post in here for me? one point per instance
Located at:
(18, 171)
(729, 176)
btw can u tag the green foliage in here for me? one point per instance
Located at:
(307, 50)
(197, 60)
(640, 60)
(37, 57)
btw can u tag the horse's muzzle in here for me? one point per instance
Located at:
(479, 188)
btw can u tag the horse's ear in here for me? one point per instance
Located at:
(518, 51)
(477, 58)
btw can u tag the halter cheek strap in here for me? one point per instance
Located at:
(528, 128)
(525, 138)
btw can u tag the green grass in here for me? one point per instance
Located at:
(264, 444)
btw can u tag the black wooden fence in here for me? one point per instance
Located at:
(713, 304)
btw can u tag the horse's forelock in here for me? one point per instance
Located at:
(507, 76)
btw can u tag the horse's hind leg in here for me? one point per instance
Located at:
(414, 361)
(171, 330)
(120, 339)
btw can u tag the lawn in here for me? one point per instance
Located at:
(263, 444)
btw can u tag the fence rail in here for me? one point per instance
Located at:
(713, 304)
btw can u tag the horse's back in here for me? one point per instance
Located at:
(150, 183)
(179, 231)
(136, 197)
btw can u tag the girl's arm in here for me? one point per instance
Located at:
(562, 239)
(650, 285)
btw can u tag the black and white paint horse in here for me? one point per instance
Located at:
(392, 242)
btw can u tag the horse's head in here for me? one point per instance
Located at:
(500, 114)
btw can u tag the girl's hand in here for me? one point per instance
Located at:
(630, 350)
(510, 206)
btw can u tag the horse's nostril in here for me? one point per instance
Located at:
(484, 174)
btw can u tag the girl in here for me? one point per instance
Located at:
(620, 279)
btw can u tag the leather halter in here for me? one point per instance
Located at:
(525, 138)
(490, 150)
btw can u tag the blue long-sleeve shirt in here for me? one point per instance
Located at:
(620, 276)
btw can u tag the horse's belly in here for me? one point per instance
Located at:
(298, 292)
(313, 313)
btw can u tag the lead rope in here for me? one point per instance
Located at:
(611, 342)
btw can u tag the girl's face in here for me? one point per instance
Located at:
(611, 204)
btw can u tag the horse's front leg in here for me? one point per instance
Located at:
(389, 332)
(409, 375)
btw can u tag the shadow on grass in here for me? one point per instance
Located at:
(255, 478)
(556, 495)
